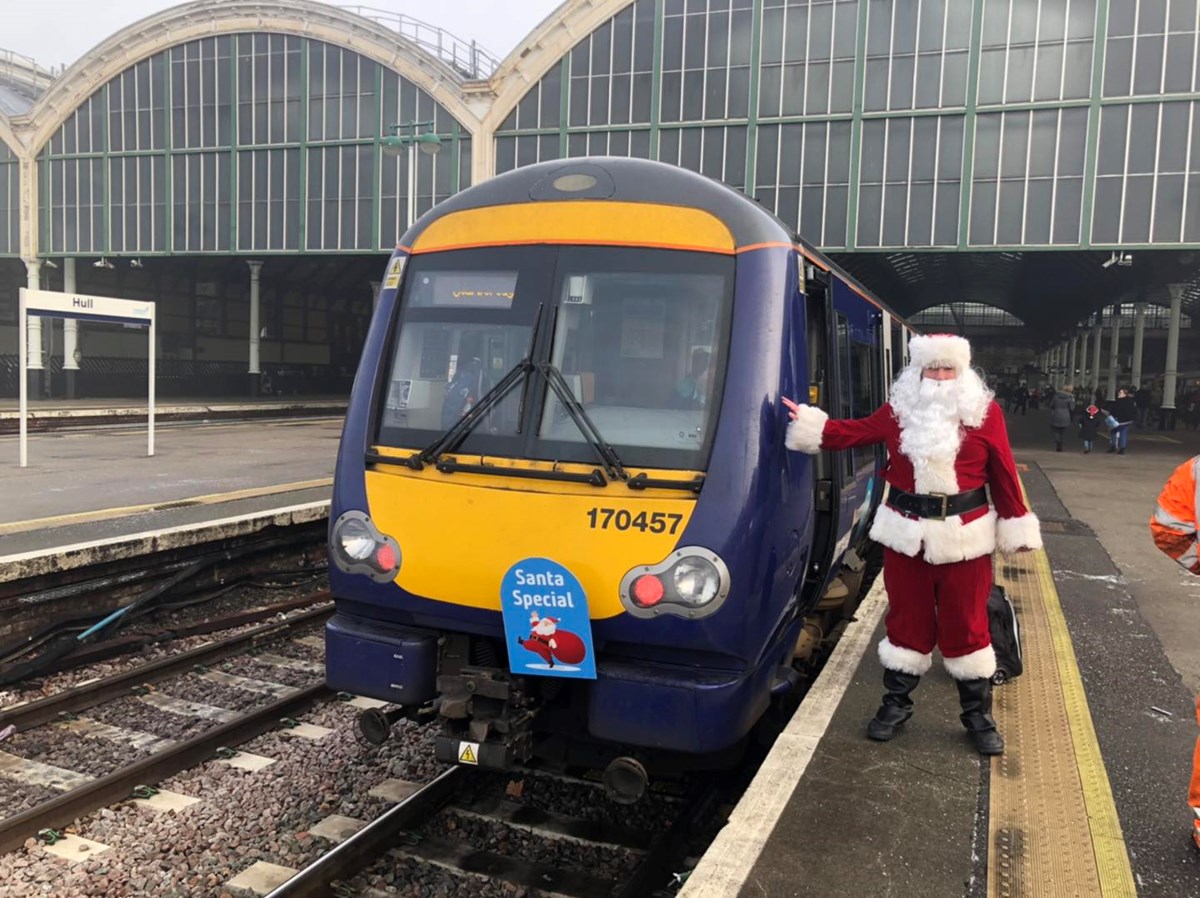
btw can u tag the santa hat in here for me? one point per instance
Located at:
(940, 349)
(1092, 410)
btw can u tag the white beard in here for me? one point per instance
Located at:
(932, 415)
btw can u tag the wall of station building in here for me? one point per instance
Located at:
(868, 125)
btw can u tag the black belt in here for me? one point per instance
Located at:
(936, 505)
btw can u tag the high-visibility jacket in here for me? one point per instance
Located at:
(1173, 525)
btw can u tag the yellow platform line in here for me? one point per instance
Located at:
(105, 514)
(1053, 828)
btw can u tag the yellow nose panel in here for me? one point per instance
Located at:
(460, 533)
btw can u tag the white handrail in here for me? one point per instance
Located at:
(472, 61)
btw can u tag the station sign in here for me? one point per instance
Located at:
(81, 306)
(49, 303)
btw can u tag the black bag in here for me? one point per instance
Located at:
(1006, 635)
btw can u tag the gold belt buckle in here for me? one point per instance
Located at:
(945, 505)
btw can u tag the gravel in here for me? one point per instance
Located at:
(63, 748)
(17, 797)
(60, 682)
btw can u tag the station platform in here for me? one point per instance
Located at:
(1089, 798)
(52, 414)
(94, 483)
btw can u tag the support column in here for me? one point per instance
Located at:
(1139, 333)
(1166, 420)
(1072, 348)
(1114, 353)
(1083, 360)
(71, 353)
(1055, 364)
(1097, 336)
(33, 280)
(255, 369)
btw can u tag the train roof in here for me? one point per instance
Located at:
(632, 180)
(618, 179)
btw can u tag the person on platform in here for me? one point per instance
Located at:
(1089, 426)
(1062, 410)
(1173, 528)
(1124, 410)
(946, 441)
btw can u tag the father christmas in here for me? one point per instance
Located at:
(946, 441)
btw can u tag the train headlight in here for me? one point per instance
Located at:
(357, 547)
(355, 540)
(691, 582)
(697, 580)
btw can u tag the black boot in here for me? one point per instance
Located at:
(976, 699)
(897, 705)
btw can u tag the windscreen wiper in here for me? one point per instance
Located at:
(608, 455)
(460, 429)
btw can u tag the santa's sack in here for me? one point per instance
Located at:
(1006, 635)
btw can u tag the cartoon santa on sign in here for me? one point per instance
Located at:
(946, 442)
(552, 644)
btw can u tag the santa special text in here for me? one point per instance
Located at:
(549, 599)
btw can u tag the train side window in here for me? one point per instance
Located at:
(845, 384)
(864, 380)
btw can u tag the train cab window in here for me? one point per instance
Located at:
(639, 339)
(465, 322)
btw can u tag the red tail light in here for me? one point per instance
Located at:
(648, 590)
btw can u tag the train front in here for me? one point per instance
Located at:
(539, 531)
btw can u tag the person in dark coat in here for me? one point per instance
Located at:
(1089, 426)
(1124, 410)
(1062, 409)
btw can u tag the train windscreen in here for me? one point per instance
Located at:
(638, 336)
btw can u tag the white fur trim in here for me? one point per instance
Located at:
(804, 433)
(944, 541)
(978, 665)
(909, 661)
(951, 540)
(940, 349)
(1013, 534)
(894, 530)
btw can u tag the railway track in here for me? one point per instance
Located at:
(169, 756)
(395, 835)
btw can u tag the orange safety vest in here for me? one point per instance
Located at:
(1173, 525)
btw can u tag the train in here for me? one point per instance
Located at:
(564, 526)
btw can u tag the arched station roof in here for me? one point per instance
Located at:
(543, 49)
(208, 18)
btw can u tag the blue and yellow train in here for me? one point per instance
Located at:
(564, 521)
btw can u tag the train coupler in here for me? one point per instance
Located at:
(486, 716)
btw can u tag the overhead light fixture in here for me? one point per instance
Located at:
(395, 144)
(103, 263)
(1122, 259)
(136, 263)
(49, 263)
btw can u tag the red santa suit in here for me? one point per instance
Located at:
(937, 572)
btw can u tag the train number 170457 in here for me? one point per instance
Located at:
(623, 519)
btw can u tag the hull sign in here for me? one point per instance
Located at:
(546, 622)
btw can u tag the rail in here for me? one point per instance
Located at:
(469, 59)
(118, 785)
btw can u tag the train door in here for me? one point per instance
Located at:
(823, 389)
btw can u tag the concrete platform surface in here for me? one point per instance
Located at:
(92, 484)
(911, 817)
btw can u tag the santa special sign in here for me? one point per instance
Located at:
(546, 622)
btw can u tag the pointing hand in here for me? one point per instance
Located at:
(792, 407)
